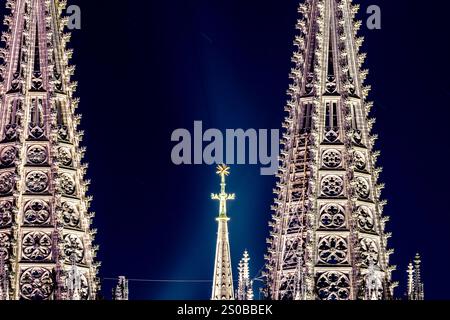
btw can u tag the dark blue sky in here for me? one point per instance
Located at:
(146, 68)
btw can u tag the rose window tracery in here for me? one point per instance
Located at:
(6, 182)
(332, 158)
(37, 212)
(36, 284)
(36, 246)
(8, 156)
(37, 155)
(70, 215)
(65, 156)
(333, 250)
(332, 216)
(369, 252)
(366, 221)
(359, 160)
(362, 188)
(6, 213)
(333, 285)
(332, 186)
(73, 248)
(37, 181)
(67, 184)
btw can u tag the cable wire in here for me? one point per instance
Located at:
(165, 280)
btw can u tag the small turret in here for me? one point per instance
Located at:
(415, 284)
(245, 284)
(120, 292)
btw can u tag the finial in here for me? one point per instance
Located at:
(223, 171)
(417, 258)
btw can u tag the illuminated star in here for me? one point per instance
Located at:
(223, 170)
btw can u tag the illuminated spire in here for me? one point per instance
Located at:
(418, 291)
(328, 224)
(245, 285)
(223, 277)
(45, 222)
(120, 292)
(410, 273)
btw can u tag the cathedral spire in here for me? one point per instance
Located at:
(245, 284)
(46, 237)
(415, 284)
(223, 278)
(410, 286)
(328, 238)
(120, 292)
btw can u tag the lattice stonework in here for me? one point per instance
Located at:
(45, 234)
(328, 237)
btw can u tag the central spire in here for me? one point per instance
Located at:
(223, 277)
(223, 171)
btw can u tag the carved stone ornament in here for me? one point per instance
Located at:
(37, 181)
(332, 186)
(333, 285)
(37, 212)
(36, 283)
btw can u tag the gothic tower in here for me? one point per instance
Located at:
(328, 238)
(223, 276)
(45, 235)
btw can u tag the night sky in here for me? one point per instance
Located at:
(146, 68)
